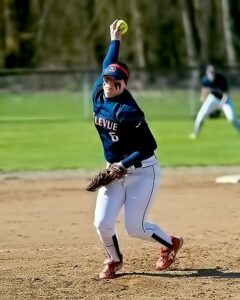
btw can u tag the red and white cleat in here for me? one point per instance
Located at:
(168, 256)
(110, 269)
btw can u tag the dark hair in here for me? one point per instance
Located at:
(125, 67)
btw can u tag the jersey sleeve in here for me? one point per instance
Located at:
(112, 54)
(111, 57)
(205, 82)
(97, 87)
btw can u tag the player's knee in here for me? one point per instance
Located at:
(103, 227)
(100, 225)
(133, 230)
(135, 234)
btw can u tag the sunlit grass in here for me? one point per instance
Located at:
(44, 132)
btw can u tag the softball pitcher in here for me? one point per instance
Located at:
(214, 95)
(127, 142)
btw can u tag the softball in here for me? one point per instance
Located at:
(123, 26)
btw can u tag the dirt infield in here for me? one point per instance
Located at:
(49, 248)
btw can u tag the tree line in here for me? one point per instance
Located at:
(162, 33)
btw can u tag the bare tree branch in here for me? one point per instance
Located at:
(231, 54)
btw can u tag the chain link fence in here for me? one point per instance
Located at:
(175, 94)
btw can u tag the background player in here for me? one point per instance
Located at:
(214, 95)
(127, 142)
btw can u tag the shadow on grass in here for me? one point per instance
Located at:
(214, 273)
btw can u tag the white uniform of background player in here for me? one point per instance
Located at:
(214, 95)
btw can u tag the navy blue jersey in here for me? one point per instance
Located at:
(120, 122)
(217, 86)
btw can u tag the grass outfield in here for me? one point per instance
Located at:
(48, 131)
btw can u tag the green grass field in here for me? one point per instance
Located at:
(48, 131)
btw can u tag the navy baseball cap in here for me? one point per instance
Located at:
(116, 71)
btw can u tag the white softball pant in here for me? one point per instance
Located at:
(135, 192)
(210, 104)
